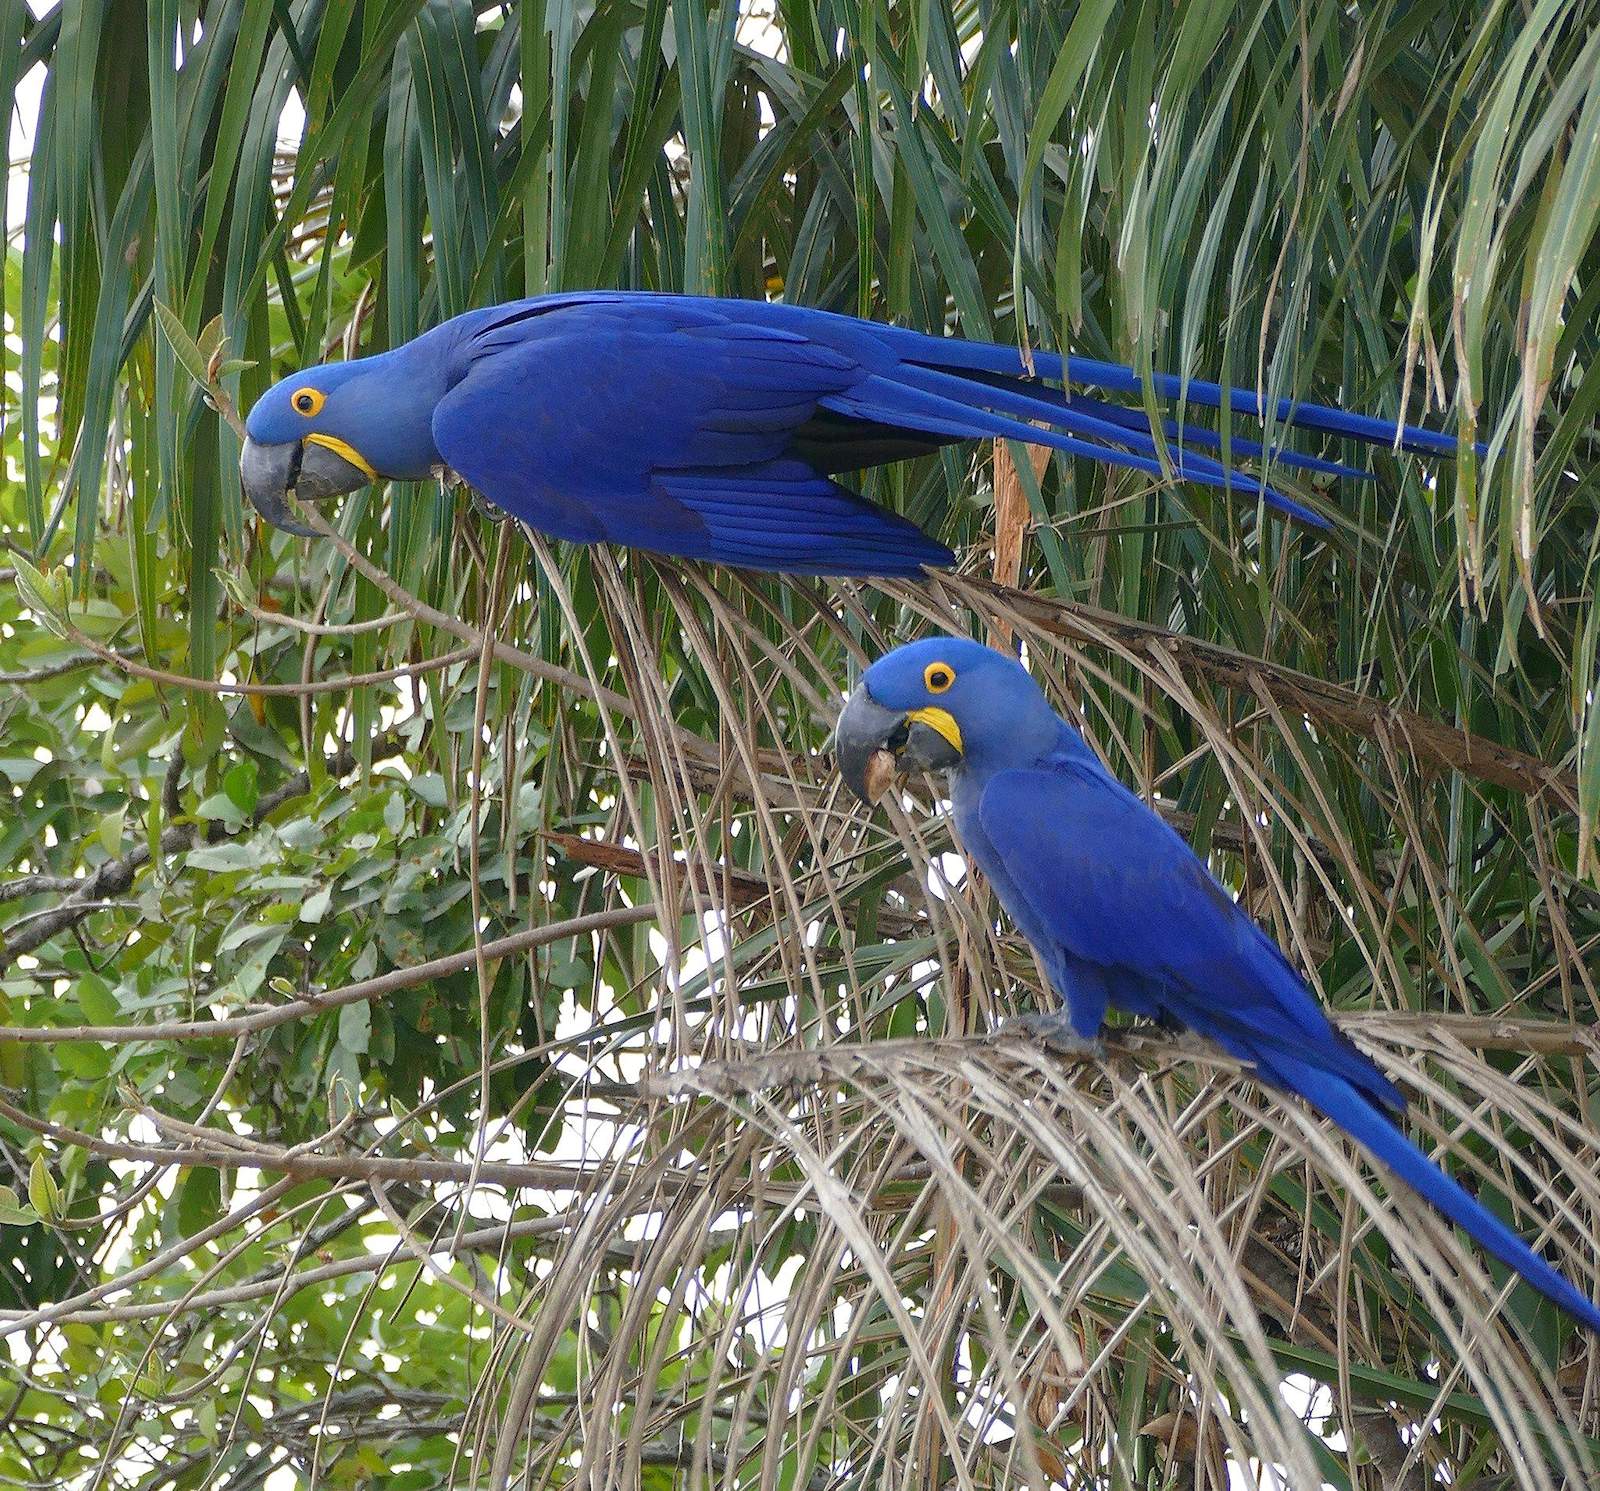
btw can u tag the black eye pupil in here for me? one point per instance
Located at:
(303, 403)
(941, 680)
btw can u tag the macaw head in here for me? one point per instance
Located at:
(331, 429)
(941, 704)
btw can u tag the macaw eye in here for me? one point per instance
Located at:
(937, 677)
(308, 401)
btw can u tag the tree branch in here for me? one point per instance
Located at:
(365, 989)
(112, 878)
(269, 690)
(51, 670)
(1428, 740)
(743, 889)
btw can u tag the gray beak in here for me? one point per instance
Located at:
(308, 469)
(872, 743)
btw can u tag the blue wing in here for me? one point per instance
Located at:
(666, 426)
(1130, 909)
(1110, 894)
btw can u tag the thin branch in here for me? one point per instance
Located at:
(786, 1068)
(483, 1239)
(322, 628)
(173, 1253)
(743, 889)
(231, 1152)
(39, 885)
(270, 690)
(1428, 740)
(365, 989)
(52, 670)
(1480, 1032)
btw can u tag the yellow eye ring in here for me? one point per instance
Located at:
(937, 677)
(308, 401)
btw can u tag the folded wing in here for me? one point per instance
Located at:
(668, 427)
(1121, 891)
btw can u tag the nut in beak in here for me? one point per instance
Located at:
(880, 772)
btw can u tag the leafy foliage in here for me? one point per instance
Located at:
(454, 1029)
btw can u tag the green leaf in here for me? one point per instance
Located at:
(86, 1061)
(185, 346)
(199, 1200)
(110, 830)
(240, 784)
(236, 586)
(44, 1195)
(95, 999)
(45, 596)
(220, 807)
(429, 786)
(13, 1213)
(355, 1026)
(228, 857)
(315, 906)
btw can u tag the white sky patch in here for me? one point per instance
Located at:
(292, 122)
(946, 872)
(24, 116)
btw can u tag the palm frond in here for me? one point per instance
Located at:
(455, 1028)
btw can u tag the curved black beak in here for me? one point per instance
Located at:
(872, 743)
(308, 469)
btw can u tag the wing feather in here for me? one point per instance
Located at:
(667, 427)
(1115, 887)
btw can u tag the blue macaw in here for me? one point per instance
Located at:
(1121, 911)
(712, 429)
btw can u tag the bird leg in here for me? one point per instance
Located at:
(480, 504)
(1161, 1027)
(1054, 1028)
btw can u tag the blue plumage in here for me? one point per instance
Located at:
(713, 429)
(1123, 913)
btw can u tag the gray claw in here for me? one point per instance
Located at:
(1054, 1028)
(486, 509)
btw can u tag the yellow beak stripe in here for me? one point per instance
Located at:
(941, 720)
(349, 452)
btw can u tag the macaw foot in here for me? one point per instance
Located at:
(486, 509)
(1157, 1028)
(1054, 1028)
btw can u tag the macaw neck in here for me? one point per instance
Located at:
(1022, 740)
(1028, 741)
(386, 405)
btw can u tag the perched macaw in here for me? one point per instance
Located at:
(1119, 908)
(712, 429)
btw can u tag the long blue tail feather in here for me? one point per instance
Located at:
(1335, 1098)
(1418, 439)
(974, 415)
(953, 354)
(1188, 434)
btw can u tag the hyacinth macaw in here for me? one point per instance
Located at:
(1121, 911)
(712, 429)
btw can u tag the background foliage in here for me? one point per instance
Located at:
(690, 1162)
